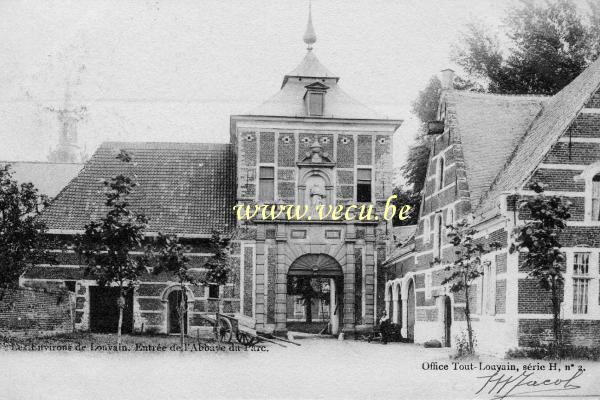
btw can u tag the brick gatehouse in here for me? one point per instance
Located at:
(309, 143)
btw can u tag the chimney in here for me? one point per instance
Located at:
(447, 79)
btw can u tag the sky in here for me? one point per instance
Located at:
(176, 70)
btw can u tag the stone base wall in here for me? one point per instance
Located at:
(576, 332)
(36, 311)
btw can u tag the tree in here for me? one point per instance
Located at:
(538, 239)
(407, 197)
(308, 289)
(551, 44)
(218, 266)
(425, 108)
(170, 257)
(107, 244)
(466, 268)
(23, 241)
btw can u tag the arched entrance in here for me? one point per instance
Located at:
(314, 295)
(410, 312)
(447, 321)
(177, 302)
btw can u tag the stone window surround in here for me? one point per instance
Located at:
(593, 288)
(587, 176)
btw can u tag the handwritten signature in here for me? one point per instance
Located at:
(502, 386)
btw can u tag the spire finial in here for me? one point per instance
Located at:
(310, 37)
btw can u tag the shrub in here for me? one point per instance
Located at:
(463, 349)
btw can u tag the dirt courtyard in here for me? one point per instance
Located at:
(318, 369)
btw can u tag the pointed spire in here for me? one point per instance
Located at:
(310, 37)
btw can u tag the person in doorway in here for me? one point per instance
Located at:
(384, 327)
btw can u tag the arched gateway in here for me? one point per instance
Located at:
(313, 281)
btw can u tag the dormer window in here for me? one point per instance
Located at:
(314, 99)
(315, 104)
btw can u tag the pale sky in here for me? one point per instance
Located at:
(176, 70)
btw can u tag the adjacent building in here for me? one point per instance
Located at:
(481, 165)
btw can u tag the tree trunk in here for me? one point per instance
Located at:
(555, 315)
(308, 309)
(471, 349)
(121, 304)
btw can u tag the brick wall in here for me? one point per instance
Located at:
(30, 310)
(575, 332)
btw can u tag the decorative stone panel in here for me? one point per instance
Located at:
(267, 147)
(365, 150)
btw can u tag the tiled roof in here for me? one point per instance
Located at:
(289, 101)
(398, 252)
(403, 233)
(184, 188)
(555, 117)
(310, 67)
(404, 237)
(49, 178)
(489, 127)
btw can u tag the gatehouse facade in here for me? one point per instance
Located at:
(310, 144)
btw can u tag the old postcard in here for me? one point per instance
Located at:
(300, 199)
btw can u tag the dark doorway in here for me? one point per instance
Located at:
(410, 312)
(104, 311)
(447, 321)
(174, 300)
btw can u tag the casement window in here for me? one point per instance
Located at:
(213, 291)
(450, 217)
(266, 184)
(596, 198)
(315, 103)
(426, 232)
(440, 174)
(581, 282)
(363, 185)
(488, 289)
(437, 236)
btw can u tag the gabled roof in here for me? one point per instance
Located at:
(489, 127)
(49, 178)
(184, 188)
(553, 120)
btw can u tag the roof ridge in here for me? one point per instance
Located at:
(162, 144)
(41, 162)
(471, 93)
